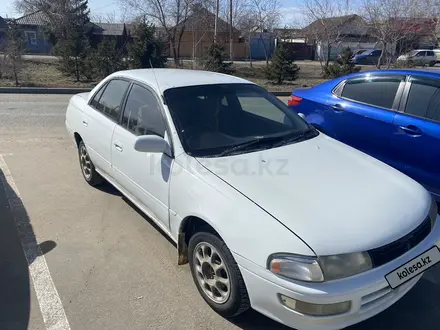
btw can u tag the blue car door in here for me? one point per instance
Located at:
(362, 110)
(415, 141)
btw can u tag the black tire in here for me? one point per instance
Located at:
(90, 175)
(432, 63)
(238, 300)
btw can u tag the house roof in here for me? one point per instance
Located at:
(344, 25)
(38, 18)
(3, 23)
(111, 29)
(203, 20)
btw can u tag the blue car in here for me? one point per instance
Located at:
(393, 115)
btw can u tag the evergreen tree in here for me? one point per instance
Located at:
(282, 66)
(342, 66)
(215, 60)
(73, 40)
(145, 49)
(106, 59)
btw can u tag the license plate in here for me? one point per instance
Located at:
(413, 268)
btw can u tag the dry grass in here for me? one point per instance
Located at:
(309, 75)
(37, 73)
(40, 73)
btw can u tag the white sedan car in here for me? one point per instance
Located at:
(269, 212)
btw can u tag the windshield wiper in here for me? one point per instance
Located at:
(274, 141)
(247, 144)
(297, 138)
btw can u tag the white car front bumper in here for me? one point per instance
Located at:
(369, 292)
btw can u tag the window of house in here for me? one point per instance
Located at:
(31, 37)
(424, 99)
(376, 91)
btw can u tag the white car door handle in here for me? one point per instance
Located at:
(118, 147)
(85, 123)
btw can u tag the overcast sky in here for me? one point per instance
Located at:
(289, 12)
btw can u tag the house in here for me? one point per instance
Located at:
(296, 41)
(34, 27)
(3, 32)
(419, 33)
(198, 35)
(119, 32)
(342, 31)
(35, 34)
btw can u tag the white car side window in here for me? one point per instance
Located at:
(142, 114)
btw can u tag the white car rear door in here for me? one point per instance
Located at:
(100, 118)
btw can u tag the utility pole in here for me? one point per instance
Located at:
(231, 41)
(217, 5)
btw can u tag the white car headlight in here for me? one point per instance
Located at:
(344, 265)
(325, 268)
(296, 267)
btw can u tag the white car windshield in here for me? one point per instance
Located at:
(412, 53)
(225, 119)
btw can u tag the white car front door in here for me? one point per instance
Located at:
(99, 121)
(145, 176)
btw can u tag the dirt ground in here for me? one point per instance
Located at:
(41, 73)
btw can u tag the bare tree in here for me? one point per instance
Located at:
(390, 21)
(56, 13)
(14, 51)
(325, 18)
(201, 24)
(266, 13)
(429, 10)
(106, 18)
(170, 15)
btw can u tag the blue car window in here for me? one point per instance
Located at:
(424, 99)
(376, 91)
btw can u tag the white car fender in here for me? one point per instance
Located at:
(74, 114)
(248, 230)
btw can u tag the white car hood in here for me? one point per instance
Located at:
(335, 198)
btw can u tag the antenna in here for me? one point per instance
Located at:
(149, 47)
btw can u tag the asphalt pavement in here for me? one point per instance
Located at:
(91, 259)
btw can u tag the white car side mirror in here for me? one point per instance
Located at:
(151, 143)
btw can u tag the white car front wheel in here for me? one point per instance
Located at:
(216, 275)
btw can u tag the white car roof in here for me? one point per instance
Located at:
(170, 78)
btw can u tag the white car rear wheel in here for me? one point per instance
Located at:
(87, 168)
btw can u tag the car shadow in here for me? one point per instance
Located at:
(252, 320)
(14, 271)
(151, 222)
(418, 309)
(108, 188)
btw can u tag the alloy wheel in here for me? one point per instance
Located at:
(212, 273)
(85, 162)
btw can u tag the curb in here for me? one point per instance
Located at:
(40, 90)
